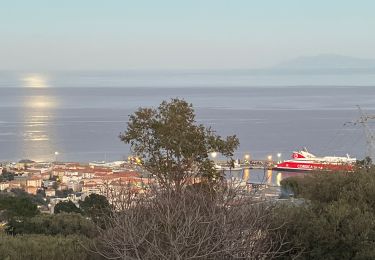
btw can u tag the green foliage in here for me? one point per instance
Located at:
(66, 206)
(55, 185)
(172, 146)
(43, 236)
(16, 207)
(336, 221)
(291, 186)
(60, 224)
(328, 187)
(62, 193)
(365, 163)
(95, 206)
(6, 176)
(317, 186)
(36, 199)
(44, 247)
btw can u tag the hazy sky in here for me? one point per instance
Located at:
(175, 34)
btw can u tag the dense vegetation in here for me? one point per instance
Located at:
(16, 207)
(333, 215)
(6, 176)
(28, 234)
(66, 206)
(96, 207)
(44, 247)
(60, 224)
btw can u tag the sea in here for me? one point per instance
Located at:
(78, 116)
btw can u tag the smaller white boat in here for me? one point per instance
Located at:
(237, 167)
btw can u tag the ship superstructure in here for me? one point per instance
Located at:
(305, 161)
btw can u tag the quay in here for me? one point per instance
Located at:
(253, 164)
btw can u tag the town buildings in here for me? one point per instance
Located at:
(71, 180)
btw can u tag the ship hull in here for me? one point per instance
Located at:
(308, 167)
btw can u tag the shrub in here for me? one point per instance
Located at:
(44, 247)
(67, 207)
(60, 224)
(336, 221)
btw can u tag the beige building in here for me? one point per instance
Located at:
(34, 181)
(4, 186)
(91, 187)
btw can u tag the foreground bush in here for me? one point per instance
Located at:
(12, 206)
(335, 219)
(44, 247)
(60, 224)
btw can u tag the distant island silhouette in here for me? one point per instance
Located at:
(327, 61)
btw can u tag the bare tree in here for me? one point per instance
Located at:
(199, 222)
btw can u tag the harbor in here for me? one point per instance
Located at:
(257, 178)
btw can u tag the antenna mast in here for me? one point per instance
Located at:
(370, 138)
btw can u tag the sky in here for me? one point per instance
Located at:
(179, 34)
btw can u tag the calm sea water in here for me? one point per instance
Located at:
(82, 121)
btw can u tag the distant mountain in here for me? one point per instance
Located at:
(327, 61)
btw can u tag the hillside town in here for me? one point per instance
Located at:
(54, 182)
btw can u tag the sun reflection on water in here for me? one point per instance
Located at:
(279, 178)
(246, 175)
(38, 117)
(269, 176)
(35, 81)
(42, 102)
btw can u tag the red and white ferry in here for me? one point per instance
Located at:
(305, 161)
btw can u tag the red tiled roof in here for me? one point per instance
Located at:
(35, 178)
